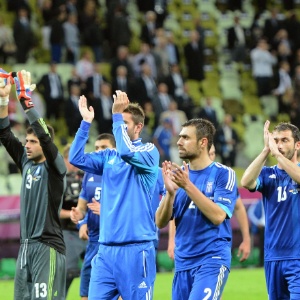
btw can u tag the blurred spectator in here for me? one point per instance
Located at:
(282, 46)
(120, 32)
(72, 39)
(104, 118)
(85, 65)
(8, 46)
(237, 41)
(149, 123)
(296, 83)
(272, 26)
(292, 26)
(144, 56)
(256, 31)
(48, 15)
(185, 102)
(76, 80)
(178, 117)
(194, 57)
(121, 59)
(208, 112)
(122, 82)
(162, 56)
(93, 85)
(148, 32)
(145, 86)
(24, 35)
(57, 36)
(294, 113)
(175, 81)
(87, 14)
(226, 142)
(51, 88)
(93, 37)
(172, 49)
(200, 29)
(284, 90)
(162, 139)
(72, 114)
(263, 62)
(161, 101)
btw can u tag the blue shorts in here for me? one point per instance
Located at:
(90, 252)
(128, 271)
(203, 282)
(283, 279)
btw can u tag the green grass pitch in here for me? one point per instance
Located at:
(246, 284)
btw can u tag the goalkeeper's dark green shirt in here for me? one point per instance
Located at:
(43, 184)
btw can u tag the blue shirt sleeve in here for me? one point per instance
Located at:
(88, 162)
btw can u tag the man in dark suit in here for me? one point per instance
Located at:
(122, 82)
(93, 85)
(272, 26)
(51, 88)
(194, 57)
(226, 141)
(237, 41)
(145, 86)
(208, 112)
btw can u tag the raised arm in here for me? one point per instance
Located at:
(250, 175)
(24, 89)
(13, 146)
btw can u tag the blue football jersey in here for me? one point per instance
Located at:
(129, 177)
(281, 201)
(197, 239)
(91, 188)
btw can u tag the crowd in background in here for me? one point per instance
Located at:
(86, 33)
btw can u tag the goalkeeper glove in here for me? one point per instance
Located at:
(24, 89)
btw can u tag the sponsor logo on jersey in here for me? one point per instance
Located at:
(272, 176)
(91, 179)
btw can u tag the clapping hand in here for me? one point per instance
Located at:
(86, 113)
(121, 102)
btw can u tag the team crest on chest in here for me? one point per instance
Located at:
(209, 186)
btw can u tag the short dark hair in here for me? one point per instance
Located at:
(204, 128)
(107, 136)
(138, 115)
(283, 126)
(49, 130)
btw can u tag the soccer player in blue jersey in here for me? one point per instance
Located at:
(241, 216)
(91, 191)
(201, 197)
(280, 187)
(125, 263)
